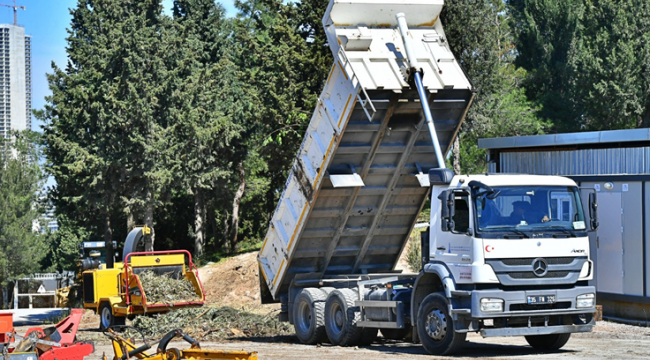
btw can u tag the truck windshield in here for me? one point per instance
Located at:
(517, 209)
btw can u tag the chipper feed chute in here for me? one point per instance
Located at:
(166, 268)
(360, 177)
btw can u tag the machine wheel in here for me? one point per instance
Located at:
(106, 317)
(396, 334)
(436, 328)
(341, 316)
(173, 354)
(548, 342)
(308, 316)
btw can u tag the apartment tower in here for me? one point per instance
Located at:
(15, 79)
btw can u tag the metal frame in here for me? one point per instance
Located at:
(364, 171)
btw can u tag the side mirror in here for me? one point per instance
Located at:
(593, 210)
(447, 210)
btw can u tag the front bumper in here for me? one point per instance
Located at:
(516, 303)
(519, 318)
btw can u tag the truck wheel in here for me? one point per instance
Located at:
(327, 290)
(106, 317)
(308, 316)
(436, 328)
(341, 316)
(548, 342)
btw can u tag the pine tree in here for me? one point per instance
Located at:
(479, 35)
(207, 106)
(587, 61)
(104, 134)
(21, 180)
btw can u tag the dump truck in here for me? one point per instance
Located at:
(117, 292)
(372, 156)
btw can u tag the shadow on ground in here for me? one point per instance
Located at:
(390, 347)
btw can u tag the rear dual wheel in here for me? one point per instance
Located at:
(308, 316)
(341, 317)
(329, 314)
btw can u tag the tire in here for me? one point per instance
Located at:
(106, 317)
(548, 342)
(436, 328)
(396, 334)
(341, 317)
(308, 316)
(327, 290)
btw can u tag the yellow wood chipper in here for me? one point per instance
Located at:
(117, 292)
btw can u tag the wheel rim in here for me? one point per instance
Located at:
(304, 317)
(436, 325)
(106, 317)
(336, 319)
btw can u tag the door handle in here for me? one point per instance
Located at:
(441, 248)
(597, 242)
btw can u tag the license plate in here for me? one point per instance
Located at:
(541, 299)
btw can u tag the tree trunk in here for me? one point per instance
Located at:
(108, 238)
(645, 119)
(234, 227)
(130, 222)
(456, 158)
(199, 215)
(148, 220)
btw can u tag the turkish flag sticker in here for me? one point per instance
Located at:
(489, 248)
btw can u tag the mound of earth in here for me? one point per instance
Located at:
(234, 282)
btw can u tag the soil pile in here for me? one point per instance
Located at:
(234, 282)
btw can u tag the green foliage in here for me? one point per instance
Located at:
(63, 244)
(479, 34)
(414, 251)
(587, 61)
(21, 179)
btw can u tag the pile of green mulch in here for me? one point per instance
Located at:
(212, 324)
(166, 289)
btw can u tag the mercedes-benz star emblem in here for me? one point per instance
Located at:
(540, 267)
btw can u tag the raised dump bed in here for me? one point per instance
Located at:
(360, 177)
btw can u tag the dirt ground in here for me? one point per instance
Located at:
(609, 341)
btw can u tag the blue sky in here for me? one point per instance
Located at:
(46, 21)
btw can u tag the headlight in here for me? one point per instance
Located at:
(585, 300)
(491, 305)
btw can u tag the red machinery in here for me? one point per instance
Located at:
(52, 343)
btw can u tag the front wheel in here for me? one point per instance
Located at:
(107, 318)
(436, 328)
(548, 342)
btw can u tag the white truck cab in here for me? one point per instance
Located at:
(511, 254)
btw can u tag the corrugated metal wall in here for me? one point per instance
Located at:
(577, 162)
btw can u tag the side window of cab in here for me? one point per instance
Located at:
(461, 215)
